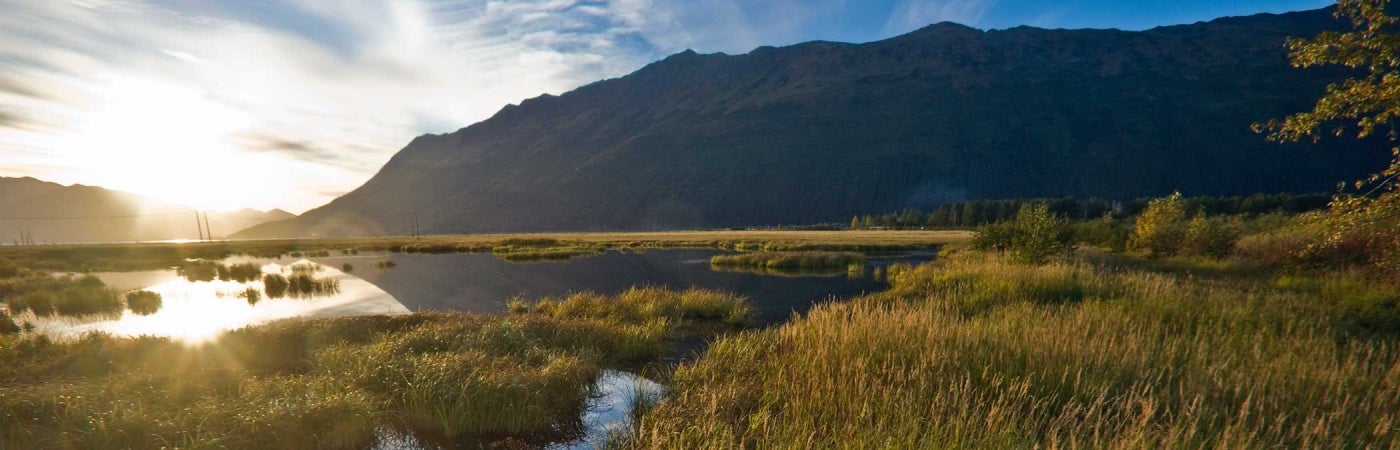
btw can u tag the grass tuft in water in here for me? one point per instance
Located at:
(791, 260)
(143, 302)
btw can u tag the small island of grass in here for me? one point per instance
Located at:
(791, 260)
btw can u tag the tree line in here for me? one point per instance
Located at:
(973, 213)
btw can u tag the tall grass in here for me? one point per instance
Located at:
(7, 324)
(305, 285)
(332, 383)
(66, 295)
(143, 302)
(973, 351)
(275, 285)
(242, 273)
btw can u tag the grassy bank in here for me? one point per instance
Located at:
(975, 351)
(791, 260)
(146, 256)
(331, 383)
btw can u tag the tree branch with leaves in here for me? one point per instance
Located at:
(1359, 106)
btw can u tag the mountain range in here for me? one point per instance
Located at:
(47, 213)
(821, 131)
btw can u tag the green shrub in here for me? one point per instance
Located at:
(1161, 227)
(1209, 238)
(1105, 232)
(1034, 237)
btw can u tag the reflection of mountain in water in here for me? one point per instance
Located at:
(483, 283)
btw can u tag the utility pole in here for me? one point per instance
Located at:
(197, 226)
(208, 231)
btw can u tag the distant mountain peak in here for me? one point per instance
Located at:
(820, 131)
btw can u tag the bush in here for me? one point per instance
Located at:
(1033, 238)
(1160, 227)
(1105, 232)
(1209, 238)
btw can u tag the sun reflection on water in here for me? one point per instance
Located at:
(196, 312)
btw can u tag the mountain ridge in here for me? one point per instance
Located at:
(47, 212)
(826, 130)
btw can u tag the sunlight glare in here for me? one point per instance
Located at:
(168, 143)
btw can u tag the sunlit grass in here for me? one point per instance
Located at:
(977, 352)
(64, 295)
(331, 383)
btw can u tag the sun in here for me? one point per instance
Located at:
(169, 143)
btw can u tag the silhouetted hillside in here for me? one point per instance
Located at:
(820, 131)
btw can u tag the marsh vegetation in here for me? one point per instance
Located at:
(984, 351)
(791, 260)
(339, 382)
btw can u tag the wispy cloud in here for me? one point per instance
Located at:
(146, 91)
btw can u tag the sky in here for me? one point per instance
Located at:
(290, 103)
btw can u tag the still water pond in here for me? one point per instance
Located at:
(194, 311)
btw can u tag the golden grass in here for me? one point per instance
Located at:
(332, 383)
(976, 352)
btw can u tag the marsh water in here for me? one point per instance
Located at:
(394, 283)
(472, 282)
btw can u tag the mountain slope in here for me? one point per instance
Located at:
(820, 131)
(53, 213)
